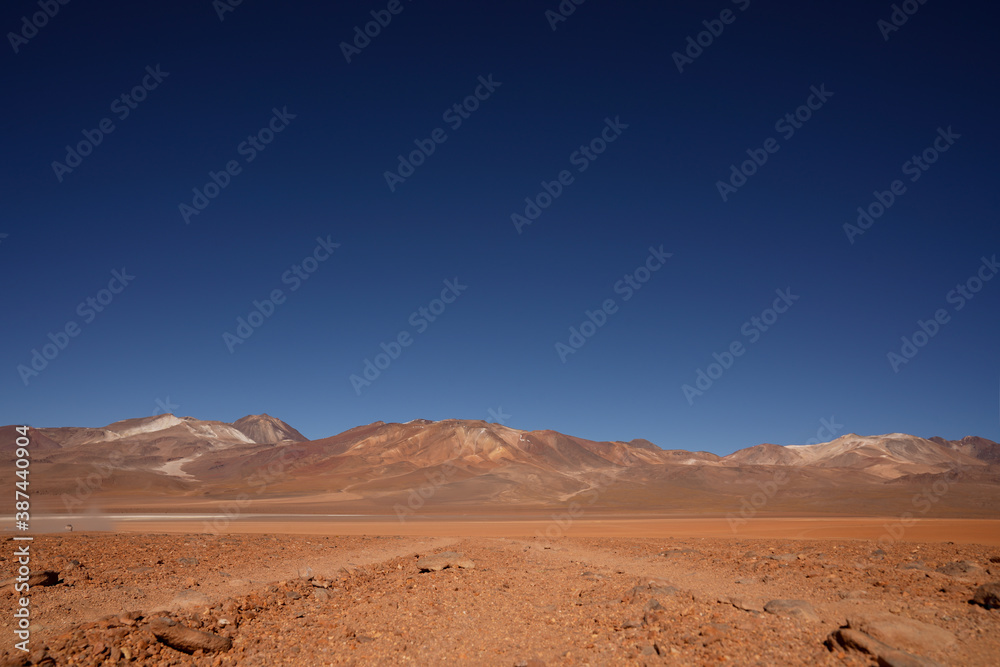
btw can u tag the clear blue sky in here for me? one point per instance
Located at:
(657, 143)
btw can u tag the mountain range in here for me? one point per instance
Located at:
(464, 466)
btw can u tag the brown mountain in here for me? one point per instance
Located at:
(970, 445)
(38, 442)
(468, 466)
(886, 456)
(265, 428)
(149, 429)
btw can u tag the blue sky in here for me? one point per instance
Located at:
(249, 156)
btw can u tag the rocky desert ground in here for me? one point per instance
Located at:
(281, 599)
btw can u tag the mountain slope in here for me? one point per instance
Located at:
(147, 429)
(887, 456)
(974, 446)
(267, 429)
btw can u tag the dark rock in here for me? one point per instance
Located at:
(962, 568)
(988, 595)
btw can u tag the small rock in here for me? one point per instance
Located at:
(676, 552)
(915, 565)
(902, 632)
(662, 587)
(856, 641)
(784, 558)
(437, 562)
(187, 561)
(799, 609)
(743, 605)
(185, 639)
(652, 612)
(44, 578)
(962, 568)
(712, 633)
(851, 595)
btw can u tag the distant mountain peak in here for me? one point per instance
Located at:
(265, 429)
(890, 455)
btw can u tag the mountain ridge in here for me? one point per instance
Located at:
(468, 463)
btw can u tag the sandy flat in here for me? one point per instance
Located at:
(884, 530)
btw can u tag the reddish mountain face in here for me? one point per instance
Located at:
(38, 442)
(375, 467)
(265, 429)
(970, 445)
